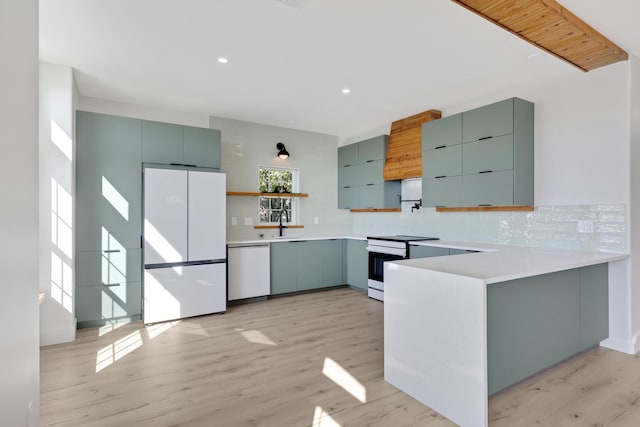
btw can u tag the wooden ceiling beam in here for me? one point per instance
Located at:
(551, 27)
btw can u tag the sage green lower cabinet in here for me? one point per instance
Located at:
(460, 251)
(332, 256)
(416, 251)
(114, 303)
(538, 321)
(302, 265)
(357, 264)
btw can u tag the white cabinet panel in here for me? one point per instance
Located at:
(207, 216)
(165, 216)
(175, 293)
(249, 272)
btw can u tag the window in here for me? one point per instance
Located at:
(278, 180)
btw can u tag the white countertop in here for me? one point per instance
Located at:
(499, 263)
(291, 239)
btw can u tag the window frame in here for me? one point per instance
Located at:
(295, 203)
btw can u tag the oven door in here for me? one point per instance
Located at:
(376, 264)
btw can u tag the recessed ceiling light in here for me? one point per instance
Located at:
(346, 90)
(223, 60)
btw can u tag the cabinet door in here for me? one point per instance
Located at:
(442, 191)
(332, 262)
(309, 263)
(442, 132)
(358, 263)
(95, 305)
(416, 251)
(493, 154)
(248, 272)
(201, 147)
(108, 181)
(108, 267)
(348, 176)
(207, 216)
(165, 216)
(348, 155)
(446, 161)
(348, 197)
(460, 251)
(371, 172)
(373, 149)
(162, 143)
(488, 189)
(284, 276)
(371, 196)
(491, 120)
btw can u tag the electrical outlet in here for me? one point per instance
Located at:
(234, 220)
(316, 220)
(585, 226)
(248, 220)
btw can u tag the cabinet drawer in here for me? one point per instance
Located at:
(373, 149)
(494, 154)
(491, 120)
(385, 195)
(348, 155)
(445, 131)
(348, 176)
(445, 161)
(108, 267)
(371, 172)
(492, 189)
(99, 303)
(442, 191)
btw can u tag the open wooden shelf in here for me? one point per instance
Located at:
(376, 210)
(487, 209)
(258, 194)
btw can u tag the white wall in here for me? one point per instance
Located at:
(96, 105)
(19, 356)
(247, 146)
(57, 195)
(634, 102)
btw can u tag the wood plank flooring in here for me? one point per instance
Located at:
(307, 360)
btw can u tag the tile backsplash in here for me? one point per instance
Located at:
(599, 228)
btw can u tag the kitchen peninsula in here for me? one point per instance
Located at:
(460, 328)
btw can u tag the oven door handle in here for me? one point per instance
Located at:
(387, 251)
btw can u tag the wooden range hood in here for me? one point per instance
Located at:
(549, 26)
(404, 153)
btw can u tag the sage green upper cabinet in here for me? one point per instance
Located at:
(348, 155)
(373, 149)
(488, 121)
(442, 132)
(442, 162)
(361, 181)
(202, 147)
(491, 148)
(108, 182)
(161, 142)
(166, 143)
(494, 154)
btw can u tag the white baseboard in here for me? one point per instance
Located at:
(58, 336)
(621, 345)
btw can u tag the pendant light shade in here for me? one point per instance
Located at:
(282, 151)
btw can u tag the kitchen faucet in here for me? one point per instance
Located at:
(280, 226)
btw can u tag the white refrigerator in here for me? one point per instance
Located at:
(184, 232)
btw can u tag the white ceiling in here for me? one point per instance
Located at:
(288, 64)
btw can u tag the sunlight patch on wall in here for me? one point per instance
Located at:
(255, 337)
(61, 282)
(61, 218)
(61, 140)
(115, 198)
(344, 379)
(116, 351)
(322, 419)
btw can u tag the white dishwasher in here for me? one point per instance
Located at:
(249, 270)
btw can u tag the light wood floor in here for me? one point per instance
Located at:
(306, 360)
